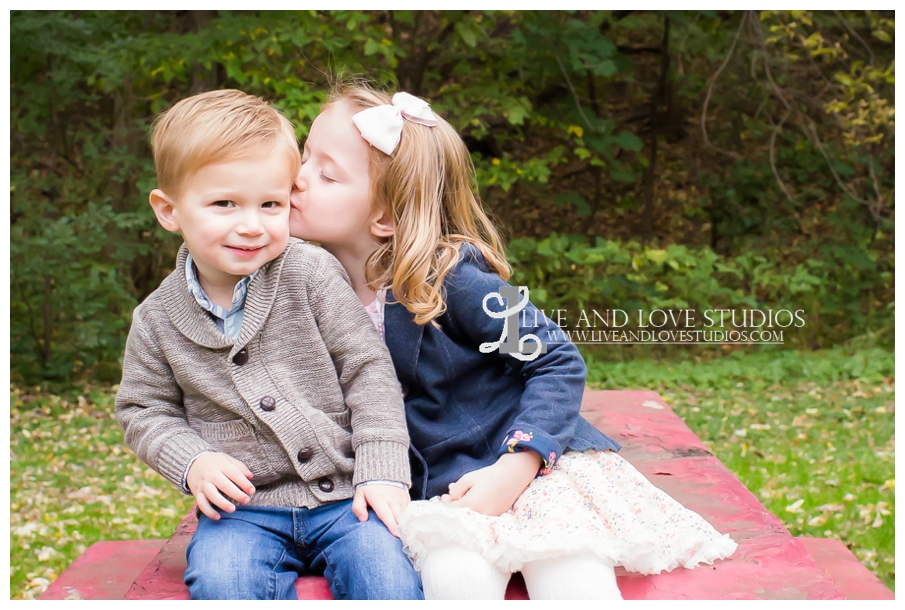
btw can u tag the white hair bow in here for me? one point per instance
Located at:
(381, 126)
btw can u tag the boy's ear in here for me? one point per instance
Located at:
(381, 225)
(164, 209)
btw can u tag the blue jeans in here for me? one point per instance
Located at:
(258, 552)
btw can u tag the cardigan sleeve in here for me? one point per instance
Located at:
(367, 377)
(554, 381)
(150, 410)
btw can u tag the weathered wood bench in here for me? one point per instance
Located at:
(770, 563)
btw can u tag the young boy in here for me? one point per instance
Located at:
(253, 378)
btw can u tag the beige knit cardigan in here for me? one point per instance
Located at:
(306, 396)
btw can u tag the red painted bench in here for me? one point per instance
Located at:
(770, 563)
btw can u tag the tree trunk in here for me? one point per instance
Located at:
(48, 320)
(203, 79)
(650, 174)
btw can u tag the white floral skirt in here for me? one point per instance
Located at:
(593, 504)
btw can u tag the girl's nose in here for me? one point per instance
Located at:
(299, 186)
(301, 182)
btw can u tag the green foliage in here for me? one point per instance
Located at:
(70, 306)
(565, 272)
(576, 124)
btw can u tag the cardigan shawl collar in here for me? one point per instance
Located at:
(193, 322)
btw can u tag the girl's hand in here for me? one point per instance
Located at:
(493, 490)
(388, 501)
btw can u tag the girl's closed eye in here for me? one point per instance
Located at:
(326, 178)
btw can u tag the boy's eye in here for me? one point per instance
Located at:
(224, 204)
(271, 204)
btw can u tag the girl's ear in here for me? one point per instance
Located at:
(164, 209)
(381, 226)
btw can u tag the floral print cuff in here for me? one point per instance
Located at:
(518, 440)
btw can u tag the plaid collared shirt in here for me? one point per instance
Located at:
(229, 322)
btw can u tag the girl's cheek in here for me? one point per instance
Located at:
(295, 228)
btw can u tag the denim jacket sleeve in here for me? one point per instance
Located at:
(554, 382)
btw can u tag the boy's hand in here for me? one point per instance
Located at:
(388, 501)
(214, 474)
(493, 490)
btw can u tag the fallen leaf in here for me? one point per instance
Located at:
(817, 521)
(46, 553)
(795, 507)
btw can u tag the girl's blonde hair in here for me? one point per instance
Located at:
(427, 187)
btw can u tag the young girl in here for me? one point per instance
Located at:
(511, 477)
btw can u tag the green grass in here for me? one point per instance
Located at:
(74, 482)
(810, 433)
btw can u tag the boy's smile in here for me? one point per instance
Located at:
(248, 252)
(234, 217)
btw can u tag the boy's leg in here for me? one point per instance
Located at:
(360, 559)
(455, 572)
(571, 578)
(248, 554)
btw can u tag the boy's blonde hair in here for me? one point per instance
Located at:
(216, 126)
(427, 187)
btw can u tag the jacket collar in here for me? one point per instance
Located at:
(403, 338)
(193, 322)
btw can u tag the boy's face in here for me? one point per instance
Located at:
(234, 215)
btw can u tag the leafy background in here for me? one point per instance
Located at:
(634, 159)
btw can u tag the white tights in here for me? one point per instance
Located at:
(455, 572)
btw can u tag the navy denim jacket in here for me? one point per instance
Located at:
(464, 407)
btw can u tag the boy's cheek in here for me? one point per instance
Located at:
(281, 235)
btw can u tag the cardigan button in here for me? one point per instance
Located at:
(305, 454)
(241, 357)
(325, 485)
(268, 403)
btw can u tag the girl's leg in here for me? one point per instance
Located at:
(570, 578)
(455, 572)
